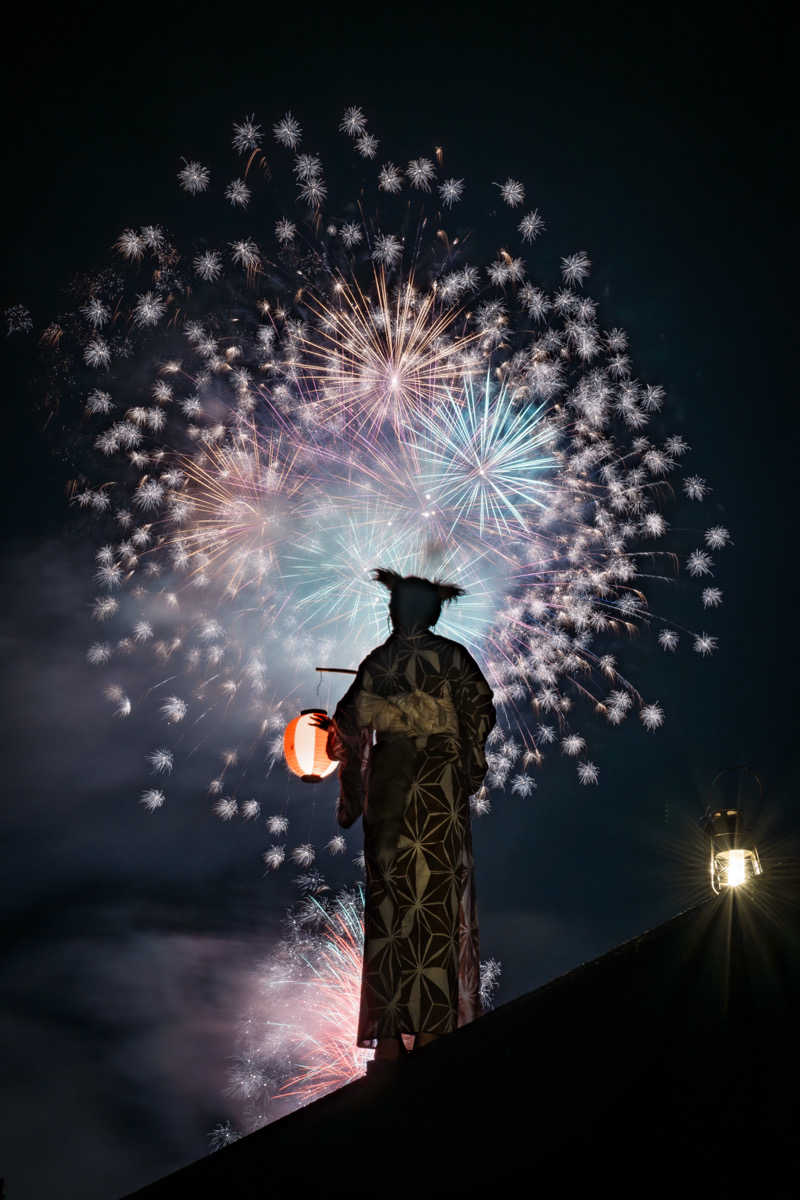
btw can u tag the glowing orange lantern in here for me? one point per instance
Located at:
(304, 747)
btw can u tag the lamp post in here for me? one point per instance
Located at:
(733, 858)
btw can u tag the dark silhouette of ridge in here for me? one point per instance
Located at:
(667, 1067)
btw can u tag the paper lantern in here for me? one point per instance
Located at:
(304, 747)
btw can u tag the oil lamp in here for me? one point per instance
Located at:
(733, 858)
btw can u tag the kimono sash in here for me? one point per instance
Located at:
(416, 715)
(403, 723)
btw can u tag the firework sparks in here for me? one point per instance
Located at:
(341, 392)
(299, 1041)
(378, 359)
(485, 460)
(234, 506)
(327, 1052)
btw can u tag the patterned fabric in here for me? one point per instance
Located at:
(421, 968)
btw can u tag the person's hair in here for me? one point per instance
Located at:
(415, 601)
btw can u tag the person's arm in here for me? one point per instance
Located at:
(348, 743)
(476, 716)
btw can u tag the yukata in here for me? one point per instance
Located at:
(430, 710)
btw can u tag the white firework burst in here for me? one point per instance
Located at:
(226, 808)
(121, 702)
(531, 225)
(705, 644)
(523, 785)
(699, 563)
(247, 135)
(390, 179)
(353, 122)
(247, 254)
(104, 607)
(307, 166)
(287, 131)
(351, 234)
(387, 249)
(575, 267)
(285, 232)
(96, 313)
(572, 745)
(174, 709)
(223, 1134)
(194, 177)
(695, 487)
(303, 854)
(490, 971)
(513, 192)
(238, 193)
(97, 353)
(367, 145)
(480, 804)
(676, 446)
(421, 173)
(451, 191)
(274, 857)
(98, 403)
(130, 244)
(98, 654)
(152, 799)
(652, 716)
(149, 309)
(313, 192)
(161, 761)
(208, 265)
(716, 537)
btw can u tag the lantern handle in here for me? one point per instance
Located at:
(730, 770)
(740, 767)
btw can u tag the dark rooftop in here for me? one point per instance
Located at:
(668, 1065)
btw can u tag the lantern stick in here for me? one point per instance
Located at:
(338, 670)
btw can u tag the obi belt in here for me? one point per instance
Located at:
(403, 723)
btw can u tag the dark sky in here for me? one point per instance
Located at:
(659, 143)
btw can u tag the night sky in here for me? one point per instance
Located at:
(659, 144)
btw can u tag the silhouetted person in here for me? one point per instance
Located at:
(430, 708)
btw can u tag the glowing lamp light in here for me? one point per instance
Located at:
(304, 747)
(734, 858)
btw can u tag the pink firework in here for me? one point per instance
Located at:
(326, 1053)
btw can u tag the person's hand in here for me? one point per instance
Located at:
(320, 721)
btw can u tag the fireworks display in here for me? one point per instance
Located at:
(260, 417)
(298, 1040)
(314, 384)
(320, 372)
